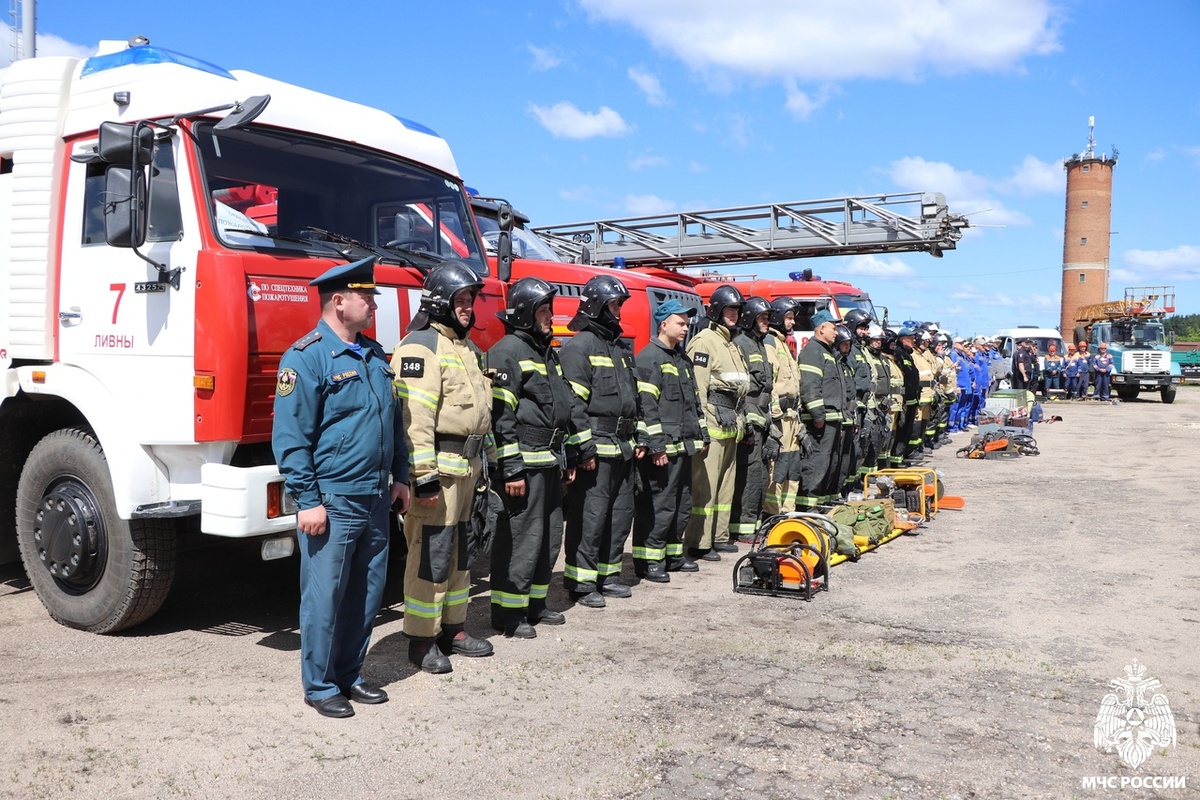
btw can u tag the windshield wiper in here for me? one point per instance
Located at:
(387, 253)
(324, 245)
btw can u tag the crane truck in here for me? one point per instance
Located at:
(1133, 330)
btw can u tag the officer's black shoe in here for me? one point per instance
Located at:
(616, 590)
(361, 693)
(456, 641)
(428, 656)
(589, 599)
(682, 564)
(725, 547)
(544, 616)
(335, 706)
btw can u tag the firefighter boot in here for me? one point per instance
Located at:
(655, 572)
(511, 622)
(540, 615)
(454, 640)
(427, 656)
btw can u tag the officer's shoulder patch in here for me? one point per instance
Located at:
(412, 367)
(700, 359)
(306, 340)
(286, 381)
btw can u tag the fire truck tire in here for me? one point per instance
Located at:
(1127, 393)
(1168, 394)
(91, 569)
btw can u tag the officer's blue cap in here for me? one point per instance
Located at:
(669, 307)
(822, 317)
(355, 275)
(906, 331)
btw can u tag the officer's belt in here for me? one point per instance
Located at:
(614, 426)
(725, 401)
(465, 446)
(539, 438)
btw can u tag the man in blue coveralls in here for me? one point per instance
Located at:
(340, 447)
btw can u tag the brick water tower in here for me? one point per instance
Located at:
(1087, 230)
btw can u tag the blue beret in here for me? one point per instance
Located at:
(669, 307)
(823, 316)
(355, 275)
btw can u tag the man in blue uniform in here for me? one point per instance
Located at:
(339, 443)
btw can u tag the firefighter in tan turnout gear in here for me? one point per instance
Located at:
(447, 403)
(722, 380)
(599, 506)
(784, 477)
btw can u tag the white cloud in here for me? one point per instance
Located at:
(696, 166)
(801, 104)
(580, 194)
(566, 121)
(47, 44)
(888, 269)
(644, 205)
(1156, 155)
(1177, 263)
(1034, 176)
(649, 84)
(646, 160)
(818, 40)
(544, 59)
(966, 192)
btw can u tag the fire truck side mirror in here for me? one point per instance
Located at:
(124, 207)
(504, 217)
(126, 145)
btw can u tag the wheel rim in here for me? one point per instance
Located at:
(70, 535)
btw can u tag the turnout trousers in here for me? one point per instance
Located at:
(342, 574)
(599, 513)
(784, 481)
(750, 484)
(661, 511)
(904, 445)
(528, 539)
(815, 470)
(437, 579)
(712, 495)
(889, 451)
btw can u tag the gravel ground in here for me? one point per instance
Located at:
(969, 660)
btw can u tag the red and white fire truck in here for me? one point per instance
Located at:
(160, 219)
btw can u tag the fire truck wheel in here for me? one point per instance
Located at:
(1168, 394)
(1127, 393)
(91, 569)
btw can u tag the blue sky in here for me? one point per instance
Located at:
(587, 109)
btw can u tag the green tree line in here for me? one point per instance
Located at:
(1186, 327)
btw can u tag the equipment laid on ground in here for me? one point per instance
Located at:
(1000, 443)
(1133, 330)
(790, 556)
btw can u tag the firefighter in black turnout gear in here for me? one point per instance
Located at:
(599, 504)
(908, 439)
(857, 322)
(821, 400)
(672, 430)
(843, 342)
(750, 484)
(531, 419)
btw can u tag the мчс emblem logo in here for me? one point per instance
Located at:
(286, 382)
(1135, 719)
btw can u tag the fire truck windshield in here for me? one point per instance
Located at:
(846, 302)
(268, 187)
(525, 244)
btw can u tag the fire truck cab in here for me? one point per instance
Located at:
(160, 220)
